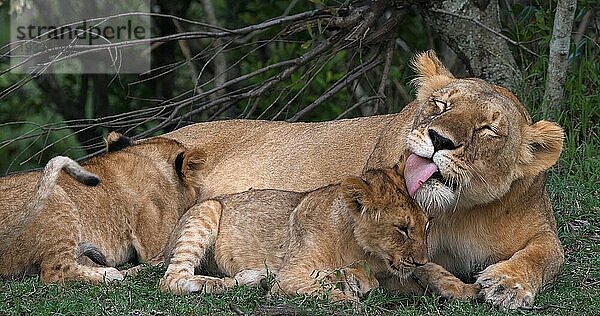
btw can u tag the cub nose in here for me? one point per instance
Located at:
(440, 142)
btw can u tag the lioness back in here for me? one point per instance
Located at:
(266, 155)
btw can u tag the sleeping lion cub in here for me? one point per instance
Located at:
(145, 187)
(337, 238)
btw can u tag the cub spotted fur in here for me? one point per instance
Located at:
(337, 238)
(146, 186)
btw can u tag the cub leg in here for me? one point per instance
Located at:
(436, 278)
(59, 241)
(194, 235)
(346, 284)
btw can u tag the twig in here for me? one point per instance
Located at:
(356, 105)
(389, 53)
(342, 82)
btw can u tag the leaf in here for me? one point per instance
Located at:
(321, 2)
(307, 44)
(320, 26)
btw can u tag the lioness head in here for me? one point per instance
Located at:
(471, 140)
(387, 223)
(182, 168)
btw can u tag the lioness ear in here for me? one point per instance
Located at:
(356, 194)
(431, 74)
(189, 162)
(542, 147)
(116, 141)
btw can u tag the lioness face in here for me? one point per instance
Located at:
(471, 141)
(387, 223)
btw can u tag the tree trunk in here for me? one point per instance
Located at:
(557, 60)
(486, 54)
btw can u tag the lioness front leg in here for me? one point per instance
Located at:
(434, 277)
(515, 282)
(194, 235)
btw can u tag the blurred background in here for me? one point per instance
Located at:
(301, 60)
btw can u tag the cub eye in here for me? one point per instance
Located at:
(402, 229)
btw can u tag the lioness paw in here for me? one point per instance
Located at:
(506, 291)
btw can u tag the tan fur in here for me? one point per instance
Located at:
(11, 225)
(131, 213)
(501, 221)
(337, 238)
(498, 219)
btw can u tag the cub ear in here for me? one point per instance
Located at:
(116, 141)
(543, 144)
(357, 195)
(188, 163)
(431, 73)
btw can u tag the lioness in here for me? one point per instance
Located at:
(494, 221)
(345, 234)
(146, 186)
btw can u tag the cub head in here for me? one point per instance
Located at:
(471, 140)
(387, 223)
(164, 158)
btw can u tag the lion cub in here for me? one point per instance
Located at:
(336, 238)
(146, 186)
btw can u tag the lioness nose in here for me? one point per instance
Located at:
(440, 142)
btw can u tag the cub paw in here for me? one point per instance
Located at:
(351, 283)
(436, 278)
(175, 284)
(111, 274)
(504, 290)
(197, 283)
(250, 277)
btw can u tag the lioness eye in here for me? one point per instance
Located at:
(441, 105)
(488, 130)
(403, 230)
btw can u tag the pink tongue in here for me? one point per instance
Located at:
(416, 171)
